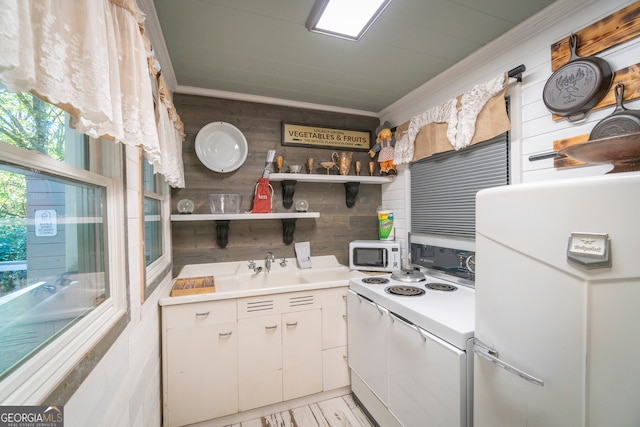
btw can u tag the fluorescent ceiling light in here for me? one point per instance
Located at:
(348, 19)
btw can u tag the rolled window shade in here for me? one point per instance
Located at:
(444, 186)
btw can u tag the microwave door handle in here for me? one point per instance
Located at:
(491, 355)
(385, 261)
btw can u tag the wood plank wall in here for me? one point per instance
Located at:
(194, 242)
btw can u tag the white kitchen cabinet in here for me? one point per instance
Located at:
(335, 367)
(279, 347)
(200, 362)
(301, 353)
(334, 317)
(259, 361)
(225, 356)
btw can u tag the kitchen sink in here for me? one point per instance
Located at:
(268, 279)
(239, 279)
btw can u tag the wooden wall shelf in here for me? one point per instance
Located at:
(222, 221)
(351, 184)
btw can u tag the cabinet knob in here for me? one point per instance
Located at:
(225, 334)
(202, 313)
(271, 328)
(292, 325)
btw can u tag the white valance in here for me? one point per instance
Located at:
(459, 114)
(90, 59)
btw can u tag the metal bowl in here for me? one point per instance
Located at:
(623, 152)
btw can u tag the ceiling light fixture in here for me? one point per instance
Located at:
(347, 19)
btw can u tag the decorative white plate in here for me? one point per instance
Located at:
(221, 147)
(185, 206)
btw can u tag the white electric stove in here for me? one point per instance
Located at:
(409, 333)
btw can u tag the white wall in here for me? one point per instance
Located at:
(124, 388)
(532, 125)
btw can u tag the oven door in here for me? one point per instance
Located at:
(427, 377)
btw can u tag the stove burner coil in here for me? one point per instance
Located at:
(441, 287)
(406, 291)
(375, 280)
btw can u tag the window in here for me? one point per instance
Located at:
(444, 186)
(153, 198)
(61, 277)
(156, 229)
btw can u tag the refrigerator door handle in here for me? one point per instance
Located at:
(491, 355)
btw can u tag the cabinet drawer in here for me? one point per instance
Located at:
(336, 297)
(334, 327)
(199, 313)
(266, 305)
(335, 368)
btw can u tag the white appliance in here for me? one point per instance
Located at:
(374, 255)
(408, 336)
(558, 304)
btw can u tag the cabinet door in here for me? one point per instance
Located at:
(301, 353)
(368, 343)
(259, 361)
(335, 370)
(428, 378)
(201, 372)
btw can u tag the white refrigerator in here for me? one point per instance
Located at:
(557, 338)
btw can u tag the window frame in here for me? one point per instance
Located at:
(155, 272)
(43, 373)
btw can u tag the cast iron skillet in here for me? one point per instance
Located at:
(621, 122)
(577, 86)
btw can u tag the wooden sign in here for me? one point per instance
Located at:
(323, 137)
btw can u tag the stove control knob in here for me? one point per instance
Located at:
(471, 263)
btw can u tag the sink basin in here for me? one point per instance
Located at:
(236, 278)
(269, 280)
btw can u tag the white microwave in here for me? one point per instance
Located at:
(374, 255)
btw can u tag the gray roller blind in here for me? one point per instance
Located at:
(444, 186)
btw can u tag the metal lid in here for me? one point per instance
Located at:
(408, 276)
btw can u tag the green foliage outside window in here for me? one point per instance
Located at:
(30, 123)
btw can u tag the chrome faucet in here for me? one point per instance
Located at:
(252, 266)
(268, 260)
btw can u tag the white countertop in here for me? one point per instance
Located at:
(236, 280)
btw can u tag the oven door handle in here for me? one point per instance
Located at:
(395, 317)
(380, 309)
(491, 355)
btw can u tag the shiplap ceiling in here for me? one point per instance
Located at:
(261, 47)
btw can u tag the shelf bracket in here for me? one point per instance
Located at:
(288, 228)
(288, 189)
(351, 191)
(222, 233)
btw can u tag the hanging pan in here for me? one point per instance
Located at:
(577, 86)
(621, 122)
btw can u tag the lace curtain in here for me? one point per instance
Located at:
(90, 59)
(459, 114)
